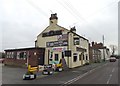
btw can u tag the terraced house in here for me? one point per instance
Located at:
(60, 42)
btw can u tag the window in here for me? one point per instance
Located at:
(62, 54)
(18, 55)
(8, 54)
(83, 57)
(76, 41)
(86, 57)
(14, 54)
(75, 57)
(22, 55)
(80, 57)
(56, 57)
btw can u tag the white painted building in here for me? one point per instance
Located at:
(60, 42)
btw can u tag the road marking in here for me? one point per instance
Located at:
(79, 77)
(75, 79)
(113, 69)
(62, 82)
(109, 79)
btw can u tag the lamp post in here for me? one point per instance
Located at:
(103, 50)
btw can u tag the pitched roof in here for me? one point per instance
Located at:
(24, 49)
(67, 30)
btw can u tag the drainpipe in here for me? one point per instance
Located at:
(68, 49)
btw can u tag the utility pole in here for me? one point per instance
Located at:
(103, 49)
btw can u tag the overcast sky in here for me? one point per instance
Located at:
(22, 20)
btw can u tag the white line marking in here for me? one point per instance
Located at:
(79, 77)
(109, 79)
(113, 69)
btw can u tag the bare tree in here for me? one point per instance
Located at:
(113, 49)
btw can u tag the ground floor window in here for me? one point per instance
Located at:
(74, 57)
(79, 57)
(21, 55)
(83, 57)
(86, 57)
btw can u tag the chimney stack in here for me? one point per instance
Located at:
(73, 29)
(53, 19)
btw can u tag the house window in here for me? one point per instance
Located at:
(14, 54)
(86, 57)
(74, 57)
(8, 54)
(76, 41)
(83, 57)
(21, 55)
(62, 54)
(80, 57)
(25, 55)
(56, 57)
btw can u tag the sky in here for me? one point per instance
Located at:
(22, 20)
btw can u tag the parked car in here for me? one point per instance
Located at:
(112, 59)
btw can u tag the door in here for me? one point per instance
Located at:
(41, 59)
(57, 57)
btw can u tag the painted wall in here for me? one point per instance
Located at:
(83, 43)
(106, 54)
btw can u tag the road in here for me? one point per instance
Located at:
(97, 73)
(106, 74)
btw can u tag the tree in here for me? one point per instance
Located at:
(113, 49)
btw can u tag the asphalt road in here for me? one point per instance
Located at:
(100, 73)
(106, 74)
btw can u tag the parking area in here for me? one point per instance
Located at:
(14, 75)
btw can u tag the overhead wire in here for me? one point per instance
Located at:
(77, 14)
(37, 8)
(105, 7)
(68, 4)
(62, 4)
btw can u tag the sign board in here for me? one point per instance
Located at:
(57, 43)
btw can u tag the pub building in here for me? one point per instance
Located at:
(61, 43)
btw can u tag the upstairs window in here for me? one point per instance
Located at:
(76, 41)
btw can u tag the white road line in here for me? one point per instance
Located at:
(109, 79)
(113, 69)
(77, 78)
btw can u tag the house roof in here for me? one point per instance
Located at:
(24, 49)
(67, 30)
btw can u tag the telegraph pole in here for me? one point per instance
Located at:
(103, 49)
